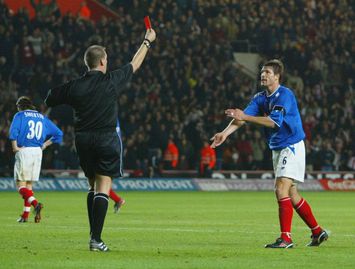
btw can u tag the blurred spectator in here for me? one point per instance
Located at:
(311, 156)
(36, 41)
(327, 156)
(351, 163)
(258, 147)
(219, 158)
(85, 12)
(339, 163)
(27, 54)
(207, 160)
(296, 82)
(67, 154)
(171, 155)
(245, 151)
(186, 154)
(44, 10)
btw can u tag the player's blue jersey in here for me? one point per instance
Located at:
(31, 129)
(281, 107)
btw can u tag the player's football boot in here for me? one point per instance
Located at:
(97, 246)
(117, 206)
(280, 243)
(38, 210)
(318, 239)
(22, 219)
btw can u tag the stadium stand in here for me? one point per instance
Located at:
(191, 77)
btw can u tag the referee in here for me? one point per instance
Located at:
(94, 100)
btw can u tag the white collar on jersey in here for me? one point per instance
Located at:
(273, 92)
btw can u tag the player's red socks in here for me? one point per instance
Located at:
(304, 210)
(26, 209)
(27, 195)
(285, 216)
(114, 196)
(32, 200)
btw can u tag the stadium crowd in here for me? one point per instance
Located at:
(175, 103)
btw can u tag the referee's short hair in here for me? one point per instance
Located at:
(277, 66)
(93, 55)
(24, 103)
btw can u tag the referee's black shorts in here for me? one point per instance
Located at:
(99, 153)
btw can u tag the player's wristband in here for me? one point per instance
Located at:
(147, 43)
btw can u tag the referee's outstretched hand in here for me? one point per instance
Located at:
(150, 35)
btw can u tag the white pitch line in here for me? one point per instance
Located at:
(144, 229)
(72, 227)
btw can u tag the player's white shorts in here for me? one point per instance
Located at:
(290, 162)
(28, 164)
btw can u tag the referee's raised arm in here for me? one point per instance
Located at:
(143, 49)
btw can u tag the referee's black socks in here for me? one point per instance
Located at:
(90, 203)
(98, 215)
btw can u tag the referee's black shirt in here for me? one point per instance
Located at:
(93, 98)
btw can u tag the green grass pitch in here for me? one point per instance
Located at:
(176, 230)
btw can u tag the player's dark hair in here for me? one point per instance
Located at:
(277, 66)
(93, 55)
(24, 103)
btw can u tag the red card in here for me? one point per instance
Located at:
(147, 23)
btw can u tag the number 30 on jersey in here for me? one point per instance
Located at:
(35, 130)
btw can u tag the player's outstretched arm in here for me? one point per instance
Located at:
(142, 51)
(219, 138)
(239, 115)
